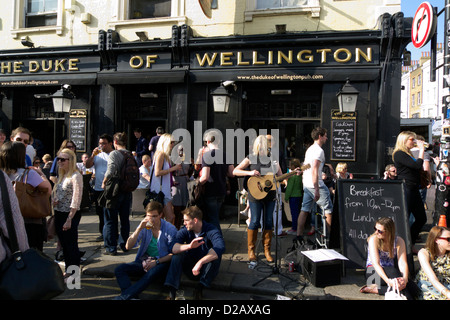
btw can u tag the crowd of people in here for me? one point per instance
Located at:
(175, 237)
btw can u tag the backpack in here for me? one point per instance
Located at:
(129, 173)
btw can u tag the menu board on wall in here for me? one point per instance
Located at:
(77, 128)
(343, 136)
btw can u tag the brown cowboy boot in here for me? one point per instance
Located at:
(267, 240)
(252, 235)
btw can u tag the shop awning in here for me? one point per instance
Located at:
(172, 76)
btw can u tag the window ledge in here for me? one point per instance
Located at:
(17, 32)
(149, 21)
(314, 10)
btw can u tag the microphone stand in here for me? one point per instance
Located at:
(275, 269)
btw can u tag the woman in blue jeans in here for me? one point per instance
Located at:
(152, 262)
(258, 164)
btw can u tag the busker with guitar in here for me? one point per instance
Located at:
(262, 202)
(314, 189)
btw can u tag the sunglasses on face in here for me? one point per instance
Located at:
(22, 140)
(61, 159)
(70, 146)
(443, 238)
(378, 230)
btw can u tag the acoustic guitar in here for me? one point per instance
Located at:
(259, 187)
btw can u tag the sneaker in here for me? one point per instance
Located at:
(110, 253)
(99, 238)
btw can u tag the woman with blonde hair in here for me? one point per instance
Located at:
(66, 198)
(434, 276)
(386, 259)
(161, 174)
(255, 165)
(341, 171)
(408, 169)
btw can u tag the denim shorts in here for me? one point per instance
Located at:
(324, 201)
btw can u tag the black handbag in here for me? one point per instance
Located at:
(28, 275)
(153, 195)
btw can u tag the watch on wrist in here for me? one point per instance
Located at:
(157, 261)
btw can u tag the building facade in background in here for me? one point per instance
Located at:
(136, 63)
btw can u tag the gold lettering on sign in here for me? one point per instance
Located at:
(73, 64)
(33, 66)
(240, 62)
(225, 58)
(360, 53)
(139, 60)
(308, 56)
(346, 51)
(323, 53)
(49, 67)
(151, 59)
(59, 64)
(206, 58)
(255, 59)
(18, 66)
(282, 56)
(5, 66)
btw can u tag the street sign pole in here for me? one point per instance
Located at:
(442, 170)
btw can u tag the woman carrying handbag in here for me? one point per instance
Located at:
(162, 174)
(12, 162)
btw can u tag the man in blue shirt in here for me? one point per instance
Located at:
(197, 251)
(141, 146)
(155, 236)
(99, 160)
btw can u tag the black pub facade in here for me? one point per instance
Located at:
(286, 81)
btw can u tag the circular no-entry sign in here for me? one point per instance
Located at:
(424, 25)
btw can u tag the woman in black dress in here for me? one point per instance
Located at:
(408, 169)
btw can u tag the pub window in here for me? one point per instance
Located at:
(270, 4)
(418, 99)
(141, 9)
(413, 100)
(41, 13)
(279, 7)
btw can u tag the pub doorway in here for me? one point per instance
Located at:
(292, 109)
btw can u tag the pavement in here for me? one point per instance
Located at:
(236, 275)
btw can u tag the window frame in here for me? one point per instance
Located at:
(312, 6)
(121, 17)
(19, 15)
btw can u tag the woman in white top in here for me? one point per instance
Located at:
(162, 174)
(67, 195)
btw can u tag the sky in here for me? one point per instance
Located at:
(409, 8)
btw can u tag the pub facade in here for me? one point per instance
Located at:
(283, 80)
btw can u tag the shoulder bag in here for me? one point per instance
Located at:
(34, 202)
(28, 275)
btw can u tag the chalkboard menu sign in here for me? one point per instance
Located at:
(361, 203)
(77, 128)
(343, 136)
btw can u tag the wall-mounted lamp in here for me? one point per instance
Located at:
(26, 42)
(221, 97)
(62, 99)
(347, 97)
(142, 35)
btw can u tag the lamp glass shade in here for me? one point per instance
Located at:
(221, 103)
(62, 101)
(61, 104)
(347, 102)
(347, 98)
(221, 99)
